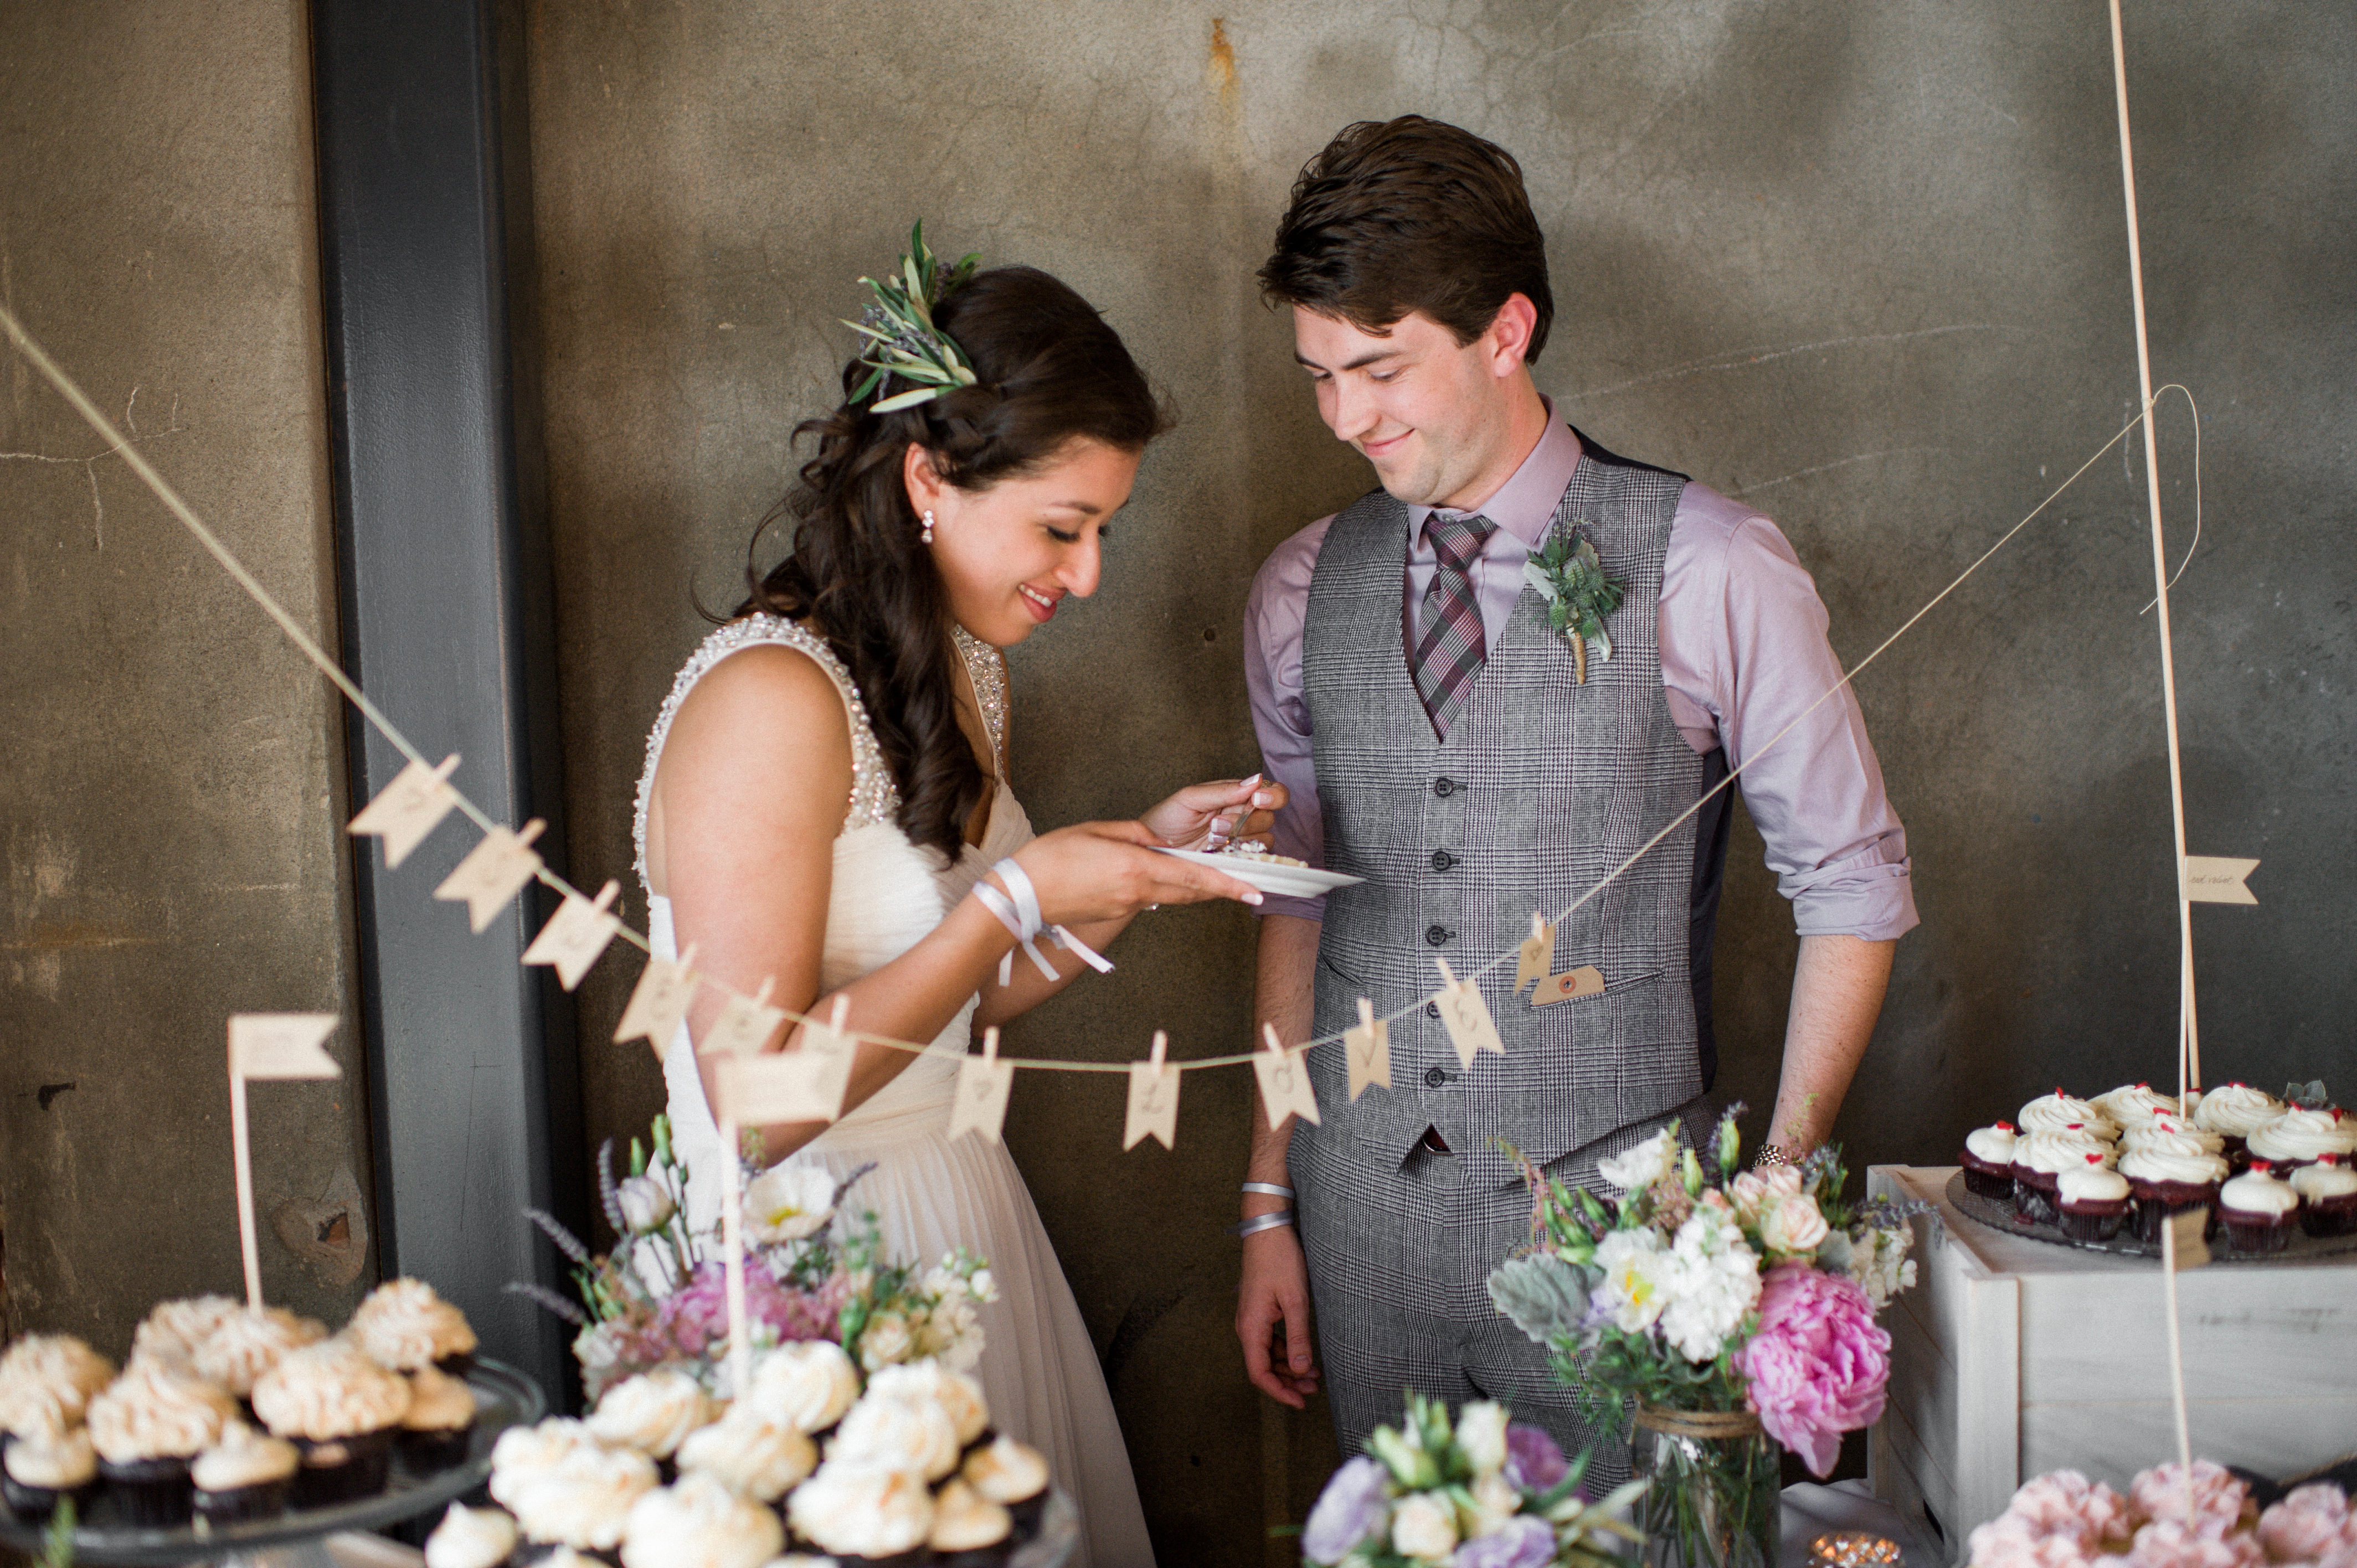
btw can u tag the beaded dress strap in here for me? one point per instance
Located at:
(987, 667)
(874, 797)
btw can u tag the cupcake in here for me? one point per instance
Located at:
(2256, 1209)
(879, 1517)
(750, 1453)
(2234, 1112)
(652, 1412)
(2093, 1201)
(472, 1538)
(438, 1427)
(173, 1329)
(564, 1487)
(342, 1411)
(886, 1433)
(405, 1325)
(699, 1523)
(47, 1381)
(244, 1476)
(2297, 1136)
(930, 1383)
(1988, 1161)
(146, 1426)
(2054, 1113)
(2162, 1182)
(2328, 1197)
(247, 1342)
(2040, 1158)
(1013, 1475)
(969, 1531)
(2133, 1105)
(2173, 1137)
(42, 1466)
(807, 1385)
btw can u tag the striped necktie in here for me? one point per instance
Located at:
(1449, 643)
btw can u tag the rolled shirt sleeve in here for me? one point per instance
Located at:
(1273, 614)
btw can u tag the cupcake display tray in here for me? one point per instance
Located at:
(1999, 1216)
(504, 1397)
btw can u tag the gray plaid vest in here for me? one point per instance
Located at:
(1542, 787)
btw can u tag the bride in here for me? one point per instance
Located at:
(827, 784)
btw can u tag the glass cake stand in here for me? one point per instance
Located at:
(504, 1397)
(1999, 1216)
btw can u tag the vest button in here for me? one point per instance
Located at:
(1432, 1010)
(1438, 935)
(1442, 860)
(1433, 1078)
(1444, 787)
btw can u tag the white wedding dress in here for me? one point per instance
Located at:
(1038, 1367)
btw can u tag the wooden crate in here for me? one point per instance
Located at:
(2012, 1358)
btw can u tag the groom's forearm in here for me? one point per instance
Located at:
(1284, 991)
(1838, 986)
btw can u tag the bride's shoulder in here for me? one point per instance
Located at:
(775, 679)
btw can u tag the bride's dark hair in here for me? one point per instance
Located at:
(1049, 371)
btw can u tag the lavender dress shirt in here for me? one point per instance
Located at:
(1743, 653)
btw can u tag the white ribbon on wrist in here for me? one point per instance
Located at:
(1019, 910)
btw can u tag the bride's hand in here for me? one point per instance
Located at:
(1108, 871)
(1206, 816)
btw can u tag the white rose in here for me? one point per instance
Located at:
(1640, 1167)
(1633, 1265)
(984, 1286)
(886, 1340)
(645, 1203)
(1793, 1229)
(786, 1203)
(1482, 1435)
(1494, 1503)
(1424, 1526)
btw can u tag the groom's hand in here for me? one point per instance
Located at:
(1273, 1318)
(1206, 816)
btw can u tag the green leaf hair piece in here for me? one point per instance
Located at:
(901, 340)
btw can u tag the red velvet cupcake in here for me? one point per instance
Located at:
(2256, 1209)
(1987, 1159)
(2328, 1197)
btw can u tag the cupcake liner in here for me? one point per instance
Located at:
(340, 1469)
(2256, 1233)
(1988, 1183)
(2094, 1222)
(427, 1452)
(2033, 1201)
(152, 1493)
(2337, 1217)
(245, 1505)
(36, 1504)
(993, 1556)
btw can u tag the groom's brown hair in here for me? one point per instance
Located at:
(1406, 215)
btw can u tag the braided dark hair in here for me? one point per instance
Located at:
(1051, 370)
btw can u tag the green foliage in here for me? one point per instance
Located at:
(902, 339)
(58, 1550)
(1567, 572)
(1545, 1294)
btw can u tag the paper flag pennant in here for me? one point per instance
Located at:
(1537, 955)
(281, 1045)
(1586, 981)
(827, 1052)
(575, 935)
(745, 1024)
(2192, 1251)
(1284, 1083)
(1368, 1048)
(658, 1003)
(983, 1085)
(1466, 1016)
(764, 1089)
(2218, 879)
(1153, 1099)
(493, 872)
(408, 809)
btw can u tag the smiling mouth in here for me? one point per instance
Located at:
(1385, 447)
(1039, 603)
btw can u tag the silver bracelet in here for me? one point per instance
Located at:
(1260, 1222)
(1270, 1190)
(1770, 1154)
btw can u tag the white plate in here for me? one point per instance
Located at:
(1285, 881)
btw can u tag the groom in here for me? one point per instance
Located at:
(1438, 742)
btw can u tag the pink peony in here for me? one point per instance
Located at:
(2220, 1505)
(2311, 1524)
(694, 1318)
(1818, 1364)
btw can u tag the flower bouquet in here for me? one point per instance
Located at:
(1490, 1493)
(813, 1270)
(1734, 1314)
(2172, 1517)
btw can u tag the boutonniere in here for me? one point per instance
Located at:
(1579, 596)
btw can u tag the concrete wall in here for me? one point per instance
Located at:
(171, 772)
(1862, 264)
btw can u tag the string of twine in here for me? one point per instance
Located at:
(1711, 1424)
(122, 444)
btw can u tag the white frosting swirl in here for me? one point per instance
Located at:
(243, 1457)
(2056, 1111)
(173, 1329)
(930, 1382)
(2174, 1137)
(56, 1461)
(2133, 1105)
(247, 1342)
(884, 1433)
(46, 1379)
(1992, 1146)
(653, 1412)
(2092, 1184)
(470, 1538)
(2051, 1153)
(862, 1513)
(806, 1385)
(964, 1521)
(1007, 1472)
(748, 1452)
(153, 1411)
(328, 1390)
(582, 1499)
(2166, 1165)
(2237, 1110)
(2326, 1178)
(2257, 1191)
(2303, 1135)
(404, 1325)
(699, 1523)
(438, 1402)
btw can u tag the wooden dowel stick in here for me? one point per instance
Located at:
(248, 1243)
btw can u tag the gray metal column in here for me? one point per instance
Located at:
(444, 587)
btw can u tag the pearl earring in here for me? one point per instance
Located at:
(928, 535)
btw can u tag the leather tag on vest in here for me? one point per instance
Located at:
(1584, 981)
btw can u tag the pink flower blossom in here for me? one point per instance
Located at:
(2010, 1541)
(1818, 1364)
(693, 1319)
(2066, 1503)
(2166, 1544)
(2311, 1524)
(2220, 1505)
